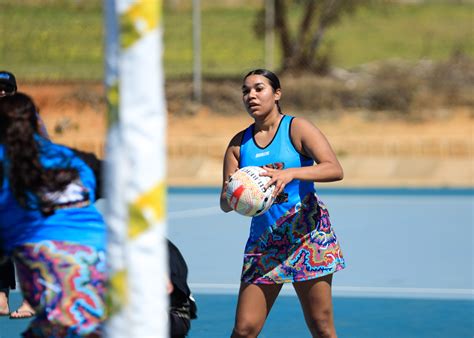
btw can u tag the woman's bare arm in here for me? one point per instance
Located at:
(231, 165)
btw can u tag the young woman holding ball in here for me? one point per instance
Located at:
(292, 242)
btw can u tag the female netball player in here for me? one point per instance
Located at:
(293, 242)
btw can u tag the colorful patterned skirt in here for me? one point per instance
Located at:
(301, 246)
(65, 283)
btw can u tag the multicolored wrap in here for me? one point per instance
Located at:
(135, 186)
(300, 246)
(65, 283)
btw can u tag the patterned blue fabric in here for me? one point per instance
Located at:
(281, 153)
(75, 219)
(293, 241)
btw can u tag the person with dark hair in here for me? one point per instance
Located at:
(50, 226)
(8, 87)
(292, 242)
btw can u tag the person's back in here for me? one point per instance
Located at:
(48, 223)
(74, 216)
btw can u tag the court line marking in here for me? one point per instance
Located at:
(355, 291)
(192, 213)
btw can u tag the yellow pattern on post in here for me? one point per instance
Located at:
(117, 297)
(138, 20)
(146, 210)
(136, 169)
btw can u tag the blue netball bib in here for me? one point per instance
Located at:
(280, 153)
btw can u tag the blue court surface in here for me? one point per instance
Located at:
(409, 255)
(355, 317)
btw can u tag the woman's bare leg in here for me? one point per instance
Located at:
(253, 307)
(4, 309)
(316, 300)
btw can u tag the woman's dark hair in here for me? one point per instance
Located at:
(271, 77)
(18, 126)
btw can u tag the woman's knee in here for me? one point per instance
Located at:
(322, 324)
(246, 327)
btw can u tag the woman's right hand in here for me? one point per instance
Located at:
(224, 204)
(278, 177)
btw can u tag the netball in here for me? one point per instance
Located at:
(246, 192)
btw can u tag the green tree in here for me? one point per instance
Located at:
(300, 45)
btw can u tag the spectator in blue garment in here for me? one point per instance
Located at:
(50, 226)
(8, 87)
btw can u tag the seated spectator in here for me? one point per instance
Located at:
(182, 305)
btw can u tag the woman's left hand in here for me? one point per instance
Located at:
(278, 177)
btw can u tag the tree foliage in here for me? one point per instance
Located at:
(300, 44)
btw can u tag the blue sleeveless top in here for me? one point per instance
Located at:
(281, 153)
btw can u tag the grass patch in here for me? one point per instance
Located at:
(54, 41)
(228, 44)
(64, 40)
(433, 31)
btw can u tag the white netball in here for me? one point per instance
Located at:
(246, 192)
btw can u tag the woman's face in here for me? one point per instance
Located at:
(258, 96)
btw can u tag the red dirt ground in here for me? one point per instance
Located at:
(377, 152)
